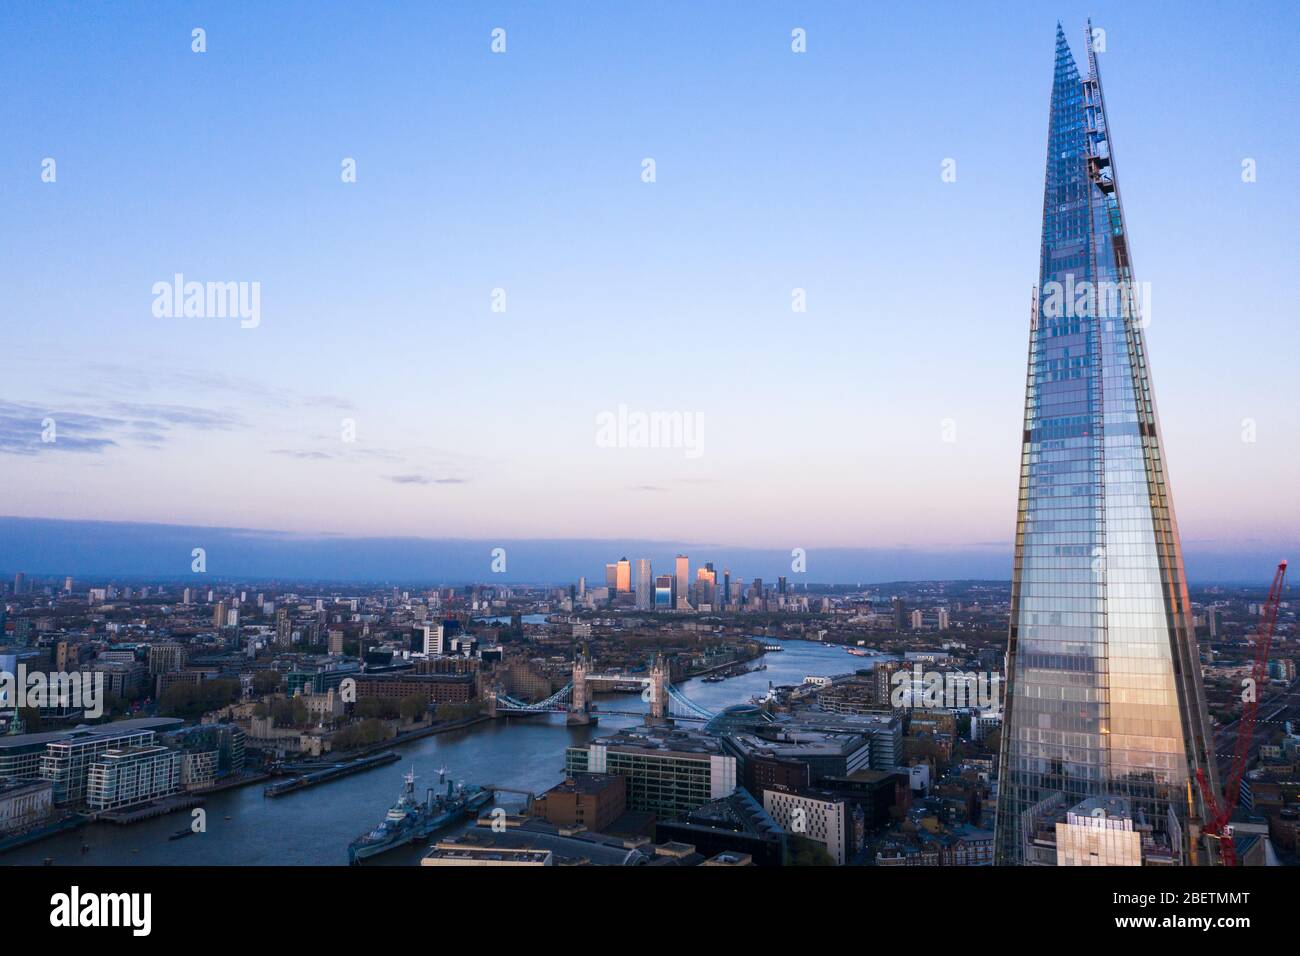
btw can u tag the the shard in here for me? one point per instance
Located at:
(1104, 728)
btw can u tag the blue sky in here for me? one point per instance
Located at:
(522, 171)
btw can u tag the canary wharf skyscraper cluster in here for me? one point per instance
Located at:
(1105, 723)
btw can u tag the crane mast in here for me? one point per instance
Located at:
(1218, 826)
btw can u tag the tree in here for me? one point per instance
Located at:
(380, 708)
(801, 851)
(194, 700)
(413, 707)
(361, 734)
(447, 711)
(266, 682)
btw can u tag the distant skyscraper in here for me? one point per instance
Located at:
(683, 579)
(645, 585)
(1104, 696)
(706, 580)
(726, 587)
(623, 576)
(283, 628)
(20, 582)
(611, 577)
(899, 610)
(665, 584)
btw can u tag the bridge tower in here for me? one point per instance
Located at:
(579, 698)
(659, 680)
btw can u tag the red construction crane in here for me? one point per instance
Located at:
(1217, 826)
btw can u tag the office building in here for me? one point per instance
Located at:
(669, 771)
(1104, 694)
(665, 588)
(645, 585)
(814, 815)
(681, 597)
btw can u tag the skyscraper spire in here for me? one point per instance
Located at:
(1105, 714)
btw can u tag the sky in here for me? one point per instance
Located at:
(382, 393)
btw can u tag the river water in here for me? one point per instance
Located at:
(314, 826)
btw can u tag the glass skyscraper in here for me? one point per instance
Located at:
(1105, 712)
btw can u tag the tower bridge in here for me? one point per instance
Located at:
(665, 698)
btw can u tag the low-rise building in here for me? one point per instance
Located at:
(592, 800)
(24, 804)
(433, 688)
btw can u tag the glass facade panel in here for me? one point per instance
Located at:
(1104, 694)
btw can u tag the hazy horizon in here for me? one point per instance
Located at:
(55, 547)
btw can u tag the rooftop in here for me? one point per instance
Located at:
(117, 727)
(667, 739)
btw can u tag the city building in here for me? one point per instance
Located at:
(64, 757)
(592, 800)
(733, 824)
(779, 750)
(1104, 693)
(1098, 832)
(665, 587)
(683, 583)
(123, 777)
(460, 853)
(645, 585)
(883, 730)
(283, 628)
(218, 749)
(669, 771)
(434, 688)
(165, 657)
(815, 815)
(24, 804)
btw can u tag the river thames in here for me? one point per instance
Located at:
(314, 826)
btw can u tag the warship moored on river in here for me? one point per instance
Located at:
(411, 820)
